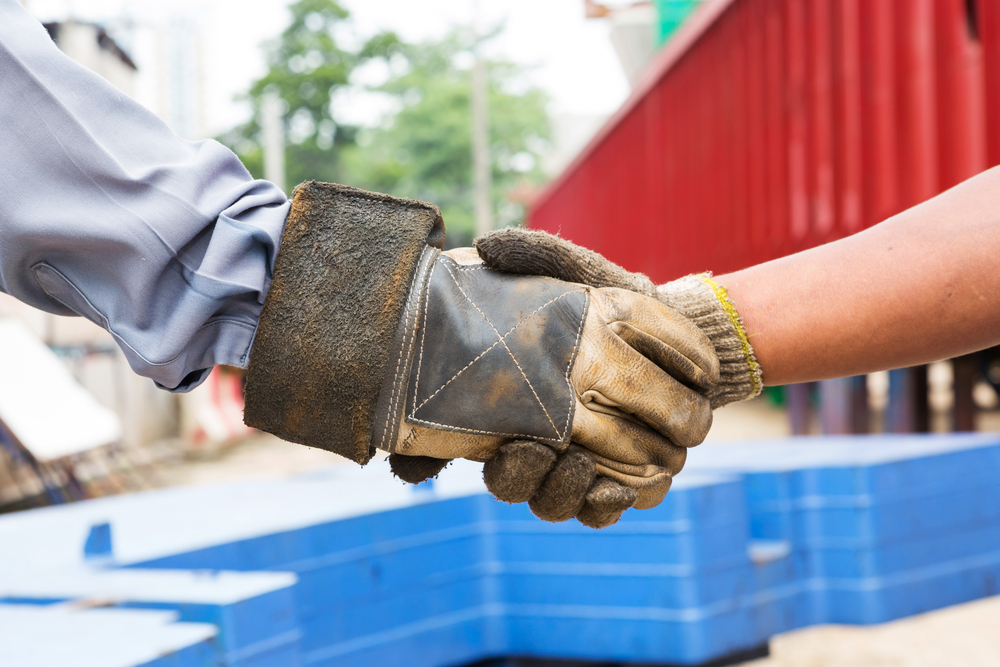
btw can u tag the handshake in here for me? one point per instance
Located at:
(578, 384)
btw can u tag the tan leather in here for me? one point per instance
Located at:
(639, 380)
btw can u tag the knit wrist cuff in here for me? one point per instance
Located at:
(706, 303)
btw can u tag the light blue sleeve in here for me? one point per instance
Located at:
(106, 213)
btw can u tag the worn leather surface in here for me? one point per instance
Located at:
(527, 252)
(340, 283)
(490, 346)
(489, 354)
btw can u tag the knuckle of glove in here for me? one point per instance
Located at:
(517, 471)
(605, 502)
(563, 492)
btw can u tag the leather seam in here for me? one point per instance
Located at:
(572, 358)
(451, 427)
(391, 425)
(501, 340)
(512, 330)
(423, 339)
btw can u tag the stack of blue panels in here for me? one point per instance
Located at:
(754, 539)
(882, 527)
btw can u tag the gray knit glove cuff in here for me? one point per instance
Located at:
(706, 303)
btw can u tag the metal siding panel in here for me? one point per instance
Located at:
(960, 96)
(786, 123)
(775, 152)
(989, 32)
(847, 88)
(880, 132)
(916, 101)
(798, 151)
(654, 146)
(756, 169)
(820, 121)
(734, 243)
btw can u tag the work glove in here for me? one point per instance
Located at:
(697, 297)
(581, 401)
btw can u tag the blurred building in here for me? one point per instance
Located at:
(180, 74)
(90, 45)
(146, 413)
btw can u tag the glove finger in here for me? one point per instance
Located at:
(670, 339)
(671, 360)
(526, 252)
(652, 495)
(518, 470)
(621, 378)
(613, 434)
(562, 493)
(651, 490)
(635, 477)
(605, 502)
(416, 469)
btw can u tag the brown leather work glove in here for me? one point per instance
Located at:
(697, 297)
(581, 400)
(487, 357)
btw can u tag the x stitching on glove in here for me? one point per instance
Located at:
(514, 379)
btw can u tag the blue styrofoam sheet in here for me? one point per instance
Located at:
(861, 530)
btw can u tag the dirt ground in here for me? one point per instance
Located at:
(965, 635)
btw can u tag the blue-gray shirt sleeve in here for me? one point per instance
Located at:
(106, 213)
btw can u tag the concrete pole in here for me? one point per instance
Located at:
(481, 163)
(273, 136)
(481, 149)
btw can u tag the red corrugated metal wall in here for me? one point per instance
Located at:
(769, 126)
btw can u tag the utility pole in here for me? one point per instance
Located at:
(481, 163)
(272, 129)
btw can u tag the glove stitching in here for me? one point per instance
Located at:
(423, 338)
(502, 342)
(572, 358)
(512, 330)
(391, 424)
(399, 381)
(462, 429)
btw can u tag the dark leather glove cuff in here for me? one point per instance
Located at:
(483, 352)
(340, 284)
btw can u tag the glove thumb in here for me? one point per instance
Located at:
(416, 469)
(534, 253)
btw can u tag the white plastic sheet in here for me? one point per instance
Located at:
(40, 401)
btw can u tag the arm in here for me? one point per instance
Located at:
(923, 285)
(106, 213)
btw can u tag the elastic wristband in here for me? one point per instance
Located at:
(734, 317)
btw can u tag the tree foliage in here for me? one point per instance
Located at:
(307, 66)
(424, 149)
(421, 147)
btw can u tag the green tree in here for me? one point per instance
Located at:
(307, 65)
(423, 149)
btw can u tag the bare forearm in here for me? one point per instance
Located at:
(921, 286)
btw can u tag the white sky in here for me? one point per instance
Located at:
(572, 57)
